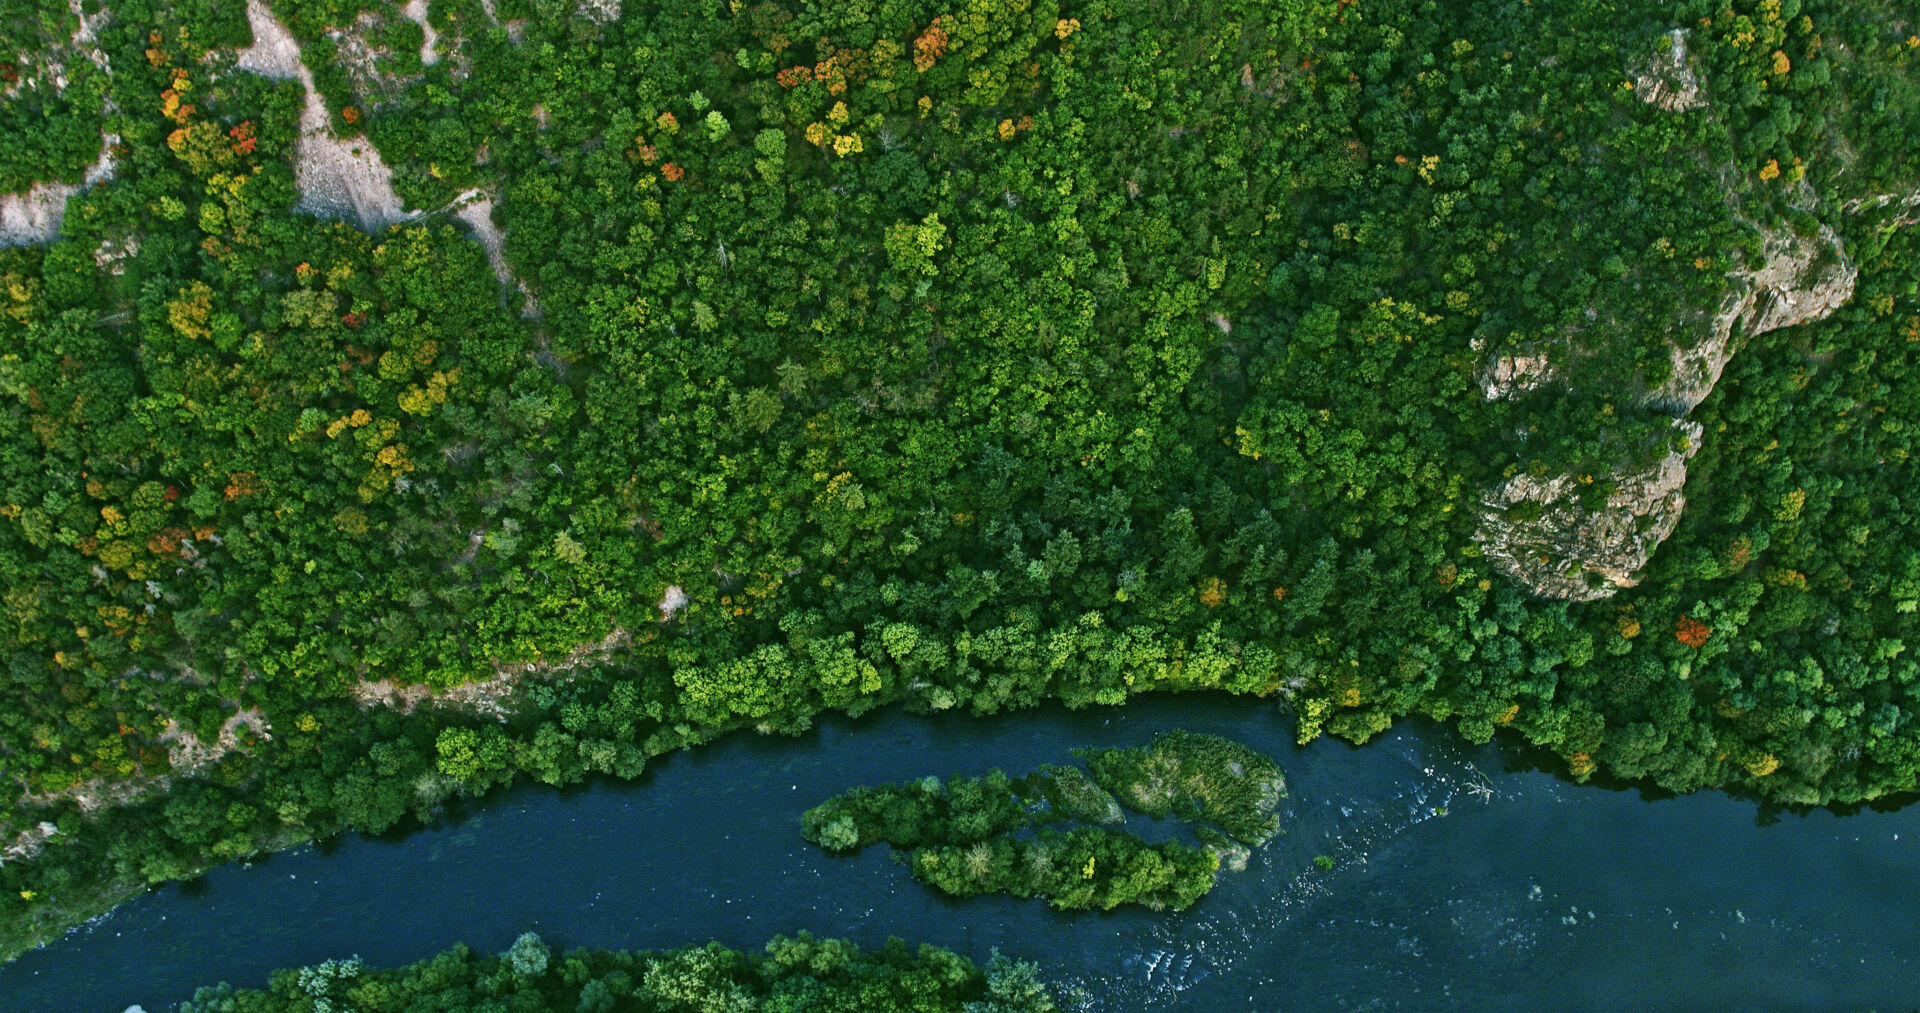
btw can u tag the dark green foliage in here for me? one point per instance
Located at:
(1196, 777)
(1085, 869)
(919, 814)
(1055, 350)
(1075, 795)
(963, 837)
(796, 972)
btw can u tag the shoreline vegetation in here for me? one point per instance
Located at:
(967, 836)
(794, 973)
(826, 357)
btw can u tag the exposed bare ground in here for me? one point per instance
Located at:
(1507, 375)
(49, 62)
(491, 695)
(188, 755)
(336, 179)
(35, 216)
(1552, 554)
(1907, 206)
(1668, 79)
(600, 12)
(1802, 278)
(475, 207)
(85, 37)
(27, 843)
(416, 11)
(185, 752)
(91, 797)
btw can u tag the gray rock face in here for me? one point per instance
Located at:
(1510, 375)
(35, 216)
(1906, 206)
(1804, 279)
(1536, 530)
(1668, 80)
(1554, 553)
(336, 179)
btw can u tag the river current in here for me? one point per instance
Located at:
(1462, 879)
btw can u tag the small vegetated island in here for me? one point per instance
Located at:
(401, 400)
(795, 973)
(965, 837)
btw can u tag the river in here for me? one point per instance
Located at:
(1462, 879)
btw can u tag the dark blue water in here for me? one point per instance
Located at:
(1461, 881)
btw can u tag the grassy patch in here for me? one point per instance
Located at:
(1196, 777)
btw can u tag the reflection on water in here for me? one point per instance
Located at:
(1449, 877)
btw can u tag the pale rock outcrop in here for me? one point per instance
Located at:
(27, 843)
(475, 207)
(187, 754)
(1554, 553)
(1668, 80)
(1906, 206)
(1566, 551)
(336, 179)
(1510, 375)
(600, 12)
(1804, 279)
(416, 12)
(488, 697)
(35, 216)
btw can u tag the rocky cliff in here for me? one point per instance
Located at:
(1538, 530)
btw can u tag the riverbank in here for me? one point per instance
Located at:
(1462, 878)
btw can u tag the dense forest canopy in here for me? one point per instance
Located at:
(796, 973)
(841, 354)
